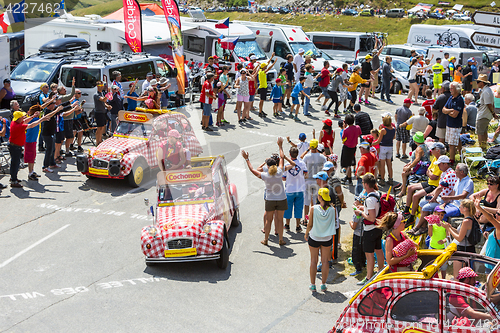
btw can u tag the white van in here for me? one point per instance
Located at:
(100, 65)
(401, 52)
(342, 45)
(442, 35)
(284, 39)
(460, 54)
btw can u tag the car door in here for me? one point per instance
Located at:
(222, 197)
(417, 308)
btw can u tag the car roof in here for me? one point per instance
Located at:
(107, 59)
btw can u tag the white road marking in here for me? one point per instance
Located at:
(262, 134)
(8, 261)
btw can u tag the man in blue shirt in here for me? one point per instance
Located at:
(77, 121)
(44, 97)
(454, 110)
(132, 104)
(473, 67)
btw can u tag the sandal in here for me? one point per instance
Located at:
(262, 230)
(282, 242)
(264, 242)
(298, 229)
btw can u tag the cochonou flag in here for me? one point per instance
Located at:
(228, 43)
(133, 24)
(222, 24)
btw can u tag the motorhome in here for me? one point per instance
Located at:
(443, 35)
(282, 39)
(342, 45)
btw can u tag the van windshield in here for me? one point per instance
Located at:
(244, 47)
(33, 71)
(84, 77)
(309, 48)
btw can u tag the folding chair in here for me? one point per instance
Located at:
(4, 157)
(88, 129)
(469, 156)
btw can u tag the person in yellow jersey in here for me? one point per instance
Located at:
(264, 68)
(437, 79)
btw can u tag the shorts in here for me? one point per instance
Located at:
(402, 134)
(29, 152)
(437, 84)
(59, 137)
(295, 100)
(467, 85)
(365, 85)
(263, 94)
(207, 109)
(221, 102)
(482, 126)
(424, 81)
(100, 119)
(428, 188)
(446, 77)
(68, 129)
(311, 192)
(372, 240)
(347, 157)
(353, 96)
(272, 205)
(316, 244)
(324, 91)
(77, 126)
(276, 100)
(412, 81)
(386, 153)
(296, 203)
(251, 98)
(453, 135)
(375, 80)
(241, 98)
(441, 132)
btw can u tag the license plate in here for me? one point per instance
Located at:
(101, 172)
(180, 252)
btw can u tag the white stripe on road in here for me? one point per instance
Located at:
(8, 261)
(262, 134)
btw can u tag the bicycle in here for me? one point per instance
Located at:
(371, 41)
(447, 38)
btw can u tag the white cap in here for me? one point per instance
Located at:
(443, 159)
(386, 114)
(153, 82)
(301, 50)
(253, 57)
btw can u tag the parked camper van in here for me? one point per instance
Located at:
(442, 35)
(342, 45)
(284, 39)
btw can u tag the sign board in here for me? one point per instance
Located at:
(486, 18)
(135, 117)
(486, 39)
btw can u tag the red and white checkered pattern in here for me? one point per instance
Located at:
(132, 148)
(184, 221)
(432, 219)
(351, 315)
(402, 248)
(465, 273)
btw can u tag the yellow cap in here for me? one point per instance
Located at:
(18, 114)
(368, 57)
(314, 143)
(264, 64)
(325, 194)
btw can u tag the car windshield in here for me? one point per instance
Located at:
(186, 192)
(244, 47)
(33, 71)
(309, 48)
(400, 66)
(133, 129)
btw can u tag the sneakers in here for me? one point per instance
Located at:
(207, 129)
(48, 170)
(390, 181)
(68, 154)
(336, 116)
(383, 99)
(404, 156)
(398, 155)
(312, 287)
(290, 115)
(41, 150)
(323, 287)
(381, 182)
(72, 147)
(362, 282)
(356, 273)
(296, 118)
(16, 184)
(390, 101)
(80, 149)
(346, 181)
(327, 112)
(55, 166)
(36, 175)
(32, 177)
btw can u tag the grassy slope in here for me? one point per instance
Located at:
(100, 7)
(397, 28)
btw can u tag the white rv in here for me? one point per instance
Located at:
(284, 39)
(342, 45)
(444, 35)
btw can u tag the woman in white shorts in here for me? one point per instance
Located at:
(386, 141)
(243, 96)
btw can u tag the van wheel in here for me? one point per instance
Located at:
(236, 218)
(137, 174)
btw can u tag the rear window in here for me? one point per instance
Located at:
(84, 77)
(134, 71)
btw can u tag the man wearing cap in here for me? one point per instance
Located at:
(451, 68)
(363, 120)
(438, 106)
(468, 76)
(117, 82)
(147, 83)
(419, 124)
(366, 71)
(116, 105)
(206, 98)
(294, 187)
(417, 191)
(485, 111)
(376, 64)
(385, 91)
(298, 60)
(132, 103)
(403, 113)
(171, 155)
(366, 164)
(447, 182)
(314, 161)
(264, 68)
(454, 110)
(437, 79)
(288, 66)
(445, 62)
(459, 308)
(252, 66)
(20, 123)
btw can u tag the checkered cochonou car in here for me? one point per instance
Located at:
(421, 302)
(194, 211)
(131, 151)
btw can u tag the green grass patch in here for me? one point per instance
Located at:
(99, 7)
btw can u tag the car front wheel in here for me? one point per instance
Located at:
(236, 218)
(224, 255)
(137, 174)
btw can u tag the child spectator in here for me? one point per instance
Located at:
(298, 89)
(350, 137)
(302, 146)
(307, 87)
(276, 97)
(428, 103)
(437, 233)
(221, 103)
(358, 256)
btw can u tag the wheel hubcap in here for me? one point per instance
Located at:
(138, 175)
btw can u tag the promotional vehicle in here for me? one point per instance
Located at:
(194, 211)
(131, 151)
(421, 302)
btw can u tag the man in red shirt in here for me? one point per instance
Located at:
(324, 77)
(366, 164)
(171, 155)
(206, 98)
(17, 140)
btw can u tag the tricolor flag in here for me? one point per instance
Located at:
(222, 24)
(4, 22)
(250, 3)
(17, 13)
(228, 43)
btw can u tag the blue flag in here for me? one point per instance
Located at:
(18, 15)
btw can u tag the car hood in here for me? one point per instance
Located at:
(183, 216)
(23, 88)
(115, 146)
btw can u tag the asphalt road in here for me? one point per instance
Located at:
(71, 260)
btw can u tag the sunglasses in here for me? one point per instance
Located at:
(491, 183)
(78, 93)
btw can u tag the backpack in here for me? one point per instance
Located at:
(475, 234)
(493, 153)
(386, 205)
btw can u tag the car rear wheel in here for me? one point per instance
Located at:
(224, 255)
(236, 218)
(137, 175)
(397, 87)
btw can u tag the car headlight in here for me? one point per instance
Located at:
(152, 231)
(117, 155)
(207, 229)
(30, 98)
